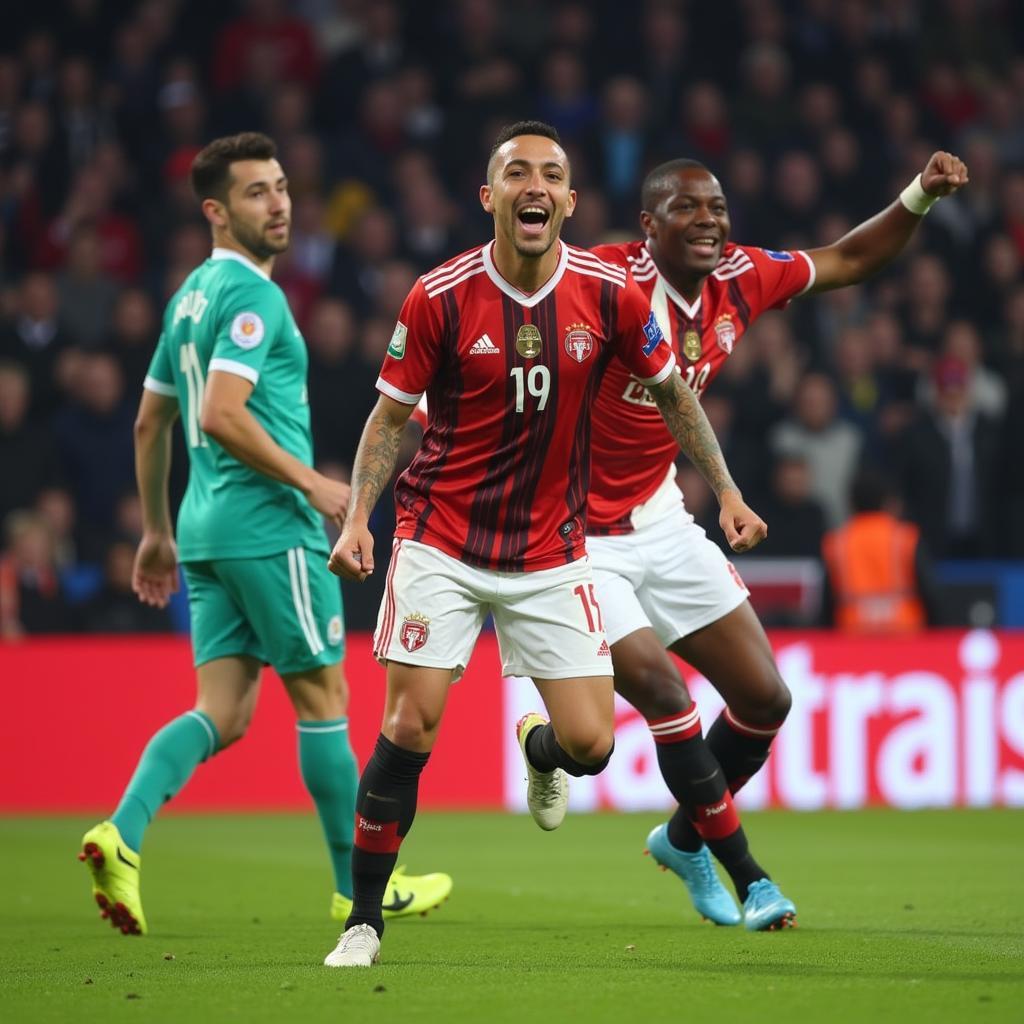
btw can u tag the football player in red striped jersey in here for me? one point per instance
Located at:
(509, 341)
(661, 582)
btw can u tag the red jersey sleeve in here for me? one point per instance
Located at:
(641, 345)
(782, 275)
(613, 252)
(413, 354)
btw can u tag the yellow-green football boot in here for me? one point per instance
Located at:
(115, 878)
(405, 895)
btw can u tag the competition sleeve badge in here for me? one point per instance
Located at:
(396, 348)
(692, 347)
(247, 330)
(414, 632)
(528, 341)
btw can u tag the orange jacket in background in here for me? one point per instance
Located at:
(872, 572)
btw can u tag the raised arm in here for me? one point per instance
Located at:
(352, 557)
(686, 421)
(871, 245)
(155, 572)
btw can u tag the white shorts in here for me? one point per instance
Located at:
(666, 575)
(548, 622)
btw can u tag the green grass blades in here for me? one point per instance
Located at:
(902, 917)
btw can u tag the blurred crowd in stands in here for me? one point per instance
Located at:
(813, 114)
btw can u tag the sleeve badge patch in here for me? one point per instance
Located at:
(247, 330)
(396, 349)
(652, 331)
(779, 256)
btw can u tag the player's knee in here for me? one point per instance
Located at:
(231, 727)
(781, 701)
(592, 754)
(654, 691)
(410, 731)
(769, 705)
(232, 734)
(597, 759)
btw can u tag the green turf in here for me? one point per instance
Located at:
(903, 917)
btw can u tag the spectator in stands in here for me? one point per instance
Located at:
(94, 438)
(764, 111)
(829, 445)
(857, 386)
(706, 131)
(87, 293)
(661, 60)
(31, 596)
(796, 522)
(878, 572)
(91, 211)
(115, 608)
(946, 461)
(618, 146)
(35, 337)
(986, 389)
(28, 457)
(430, 224)
(266, 34)
(57, 508)
(81, 117)
(927, 302)
(133, 335)
(745, 186)
(369, 47)
(565, 99)
(357, 267)
(335, 368)
(40, 170)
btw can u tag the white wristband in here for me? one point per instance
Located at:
(916, 200)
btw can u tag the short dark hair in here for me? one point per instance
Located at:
(513, 131)
(870, 490)
(658, 182)
(211, 169)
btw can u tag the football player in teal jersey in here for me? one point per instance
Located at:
(232, 364)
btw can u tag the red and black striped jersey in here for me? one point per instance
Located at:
(501, 476)
(632, 449)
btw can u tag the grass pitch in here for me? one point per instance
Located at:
(902, 917)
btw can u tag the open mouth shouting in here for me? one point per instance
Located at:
(533, 219)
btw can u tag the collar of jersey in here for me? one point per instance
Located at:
(514, 293)
(675, 296)
(220, 253)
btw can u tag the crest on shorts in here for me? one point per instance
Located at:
(414, 632)
(335, 631)
(725, 332)
(579, 341)
(736, 577)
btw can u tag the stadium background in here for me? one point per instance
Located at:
(813, 115)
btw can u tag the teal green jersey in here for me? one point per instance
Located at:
(229, 316)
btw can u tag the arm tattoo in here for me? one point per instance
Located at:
(689, 426)
(375, 461)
